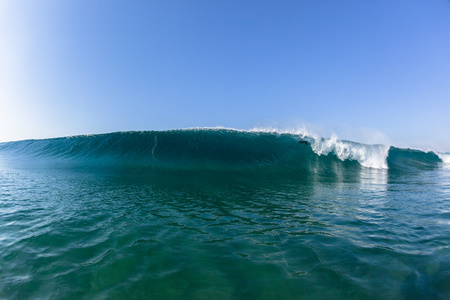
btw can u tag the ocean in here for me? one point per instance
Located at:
(222, 214)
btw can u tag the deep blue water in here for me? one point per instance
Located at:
(222, 214)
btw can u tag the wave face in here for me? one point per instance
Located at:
(225, 149)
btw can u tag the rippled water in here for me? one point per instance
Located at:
(74, 233)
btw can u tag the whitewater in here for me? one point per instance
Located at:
(222, 213)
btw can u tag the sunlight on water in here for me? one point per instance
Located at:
(374, 179)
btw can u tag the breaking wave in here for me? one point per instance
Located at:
(229, 149)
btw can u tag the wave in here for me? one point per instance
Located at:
(206, 148)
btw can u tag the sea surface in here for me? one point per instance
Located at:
(222, 214)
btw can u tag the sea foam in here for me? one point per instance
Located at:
(370, 156)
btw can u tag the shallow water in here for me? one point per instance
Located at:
(70, 231)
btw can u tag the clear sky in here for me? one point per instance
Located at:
(371, 71)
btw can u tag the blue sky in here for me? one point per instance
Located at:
(371, 71)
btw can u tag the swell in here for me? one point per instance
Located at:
(188, 149)
(411, 159)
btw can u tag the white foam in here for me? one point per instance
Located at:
(370, 156)
(445, 157)
(302, 131)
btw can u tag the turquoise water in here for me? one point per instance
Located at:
(222, 214)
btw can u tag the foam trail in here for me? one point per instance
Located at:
(370, 156)
(302, 131)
